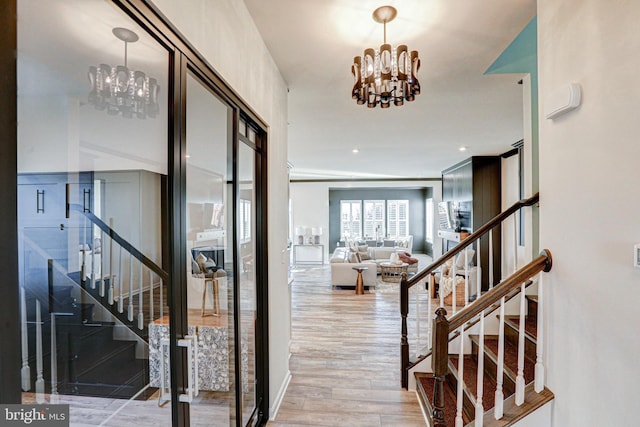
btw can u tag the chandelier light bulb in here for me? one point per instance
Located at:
(385, 74)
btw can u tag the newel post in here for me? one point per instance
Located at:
(439, 364)
(404, 341)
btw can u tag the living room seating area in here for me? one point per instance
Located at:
(345, 259)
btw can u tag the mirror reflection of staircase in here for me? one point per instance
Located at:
(91, 359)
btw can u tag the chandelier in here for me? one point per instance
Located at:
(386, 74)
(120, 90)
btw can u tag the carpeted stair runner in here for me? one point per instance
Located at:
(425, 382)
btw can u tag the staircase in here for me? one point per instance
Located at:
(425, 381)
(89, 337)
(134, 300)
(486, 355)
(87, 359)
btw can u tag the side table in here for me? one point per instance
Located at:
(359, 281)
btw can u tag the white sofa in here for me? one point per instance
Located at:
(343, 274)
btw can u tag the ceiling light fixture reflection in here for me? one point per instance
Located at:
(355, 150)
(120, 90)
(386, 74)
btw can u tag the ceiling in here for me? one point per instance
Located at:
(313, 44)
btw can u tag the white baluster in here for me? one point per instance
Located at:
(454, 294)
(151, 296)
(111, 276)
(54, 358)
(161, 301)
(102, 251)
(466, 278)
(39, 378)
(442, 279)
(120, 299)
(520, 377)
(515, 242)
(417, 296)
(130, 306)
(478, 272)
(539, 385)
(83, 251)
(491, 259)
(498, 410)
(480, 392)
(140, 302)
(432, 284)
(93, 261)
(459, 400)
(25, 372)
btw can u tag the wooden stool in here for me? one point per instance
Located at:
(216, 302)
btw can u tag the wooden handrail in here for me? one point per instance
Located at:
(405, 284)
(472, 238)
(121, 241)
(541, 263)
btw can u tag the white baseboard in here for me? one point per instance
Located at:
(273, 411)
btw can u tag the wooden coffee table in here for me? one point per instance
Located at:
(391, 272)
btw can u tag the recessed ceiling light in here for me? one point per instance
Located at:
(187, 156)
(355, 150)
(462, 148)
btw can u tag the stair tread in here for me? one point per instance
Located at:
(532, 297)
(470, 377)
(510, 357)
(112, 308)
(425, 383)
(530, 325)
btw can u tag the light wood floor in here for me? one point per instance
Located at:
(345, 358)
(345, 367)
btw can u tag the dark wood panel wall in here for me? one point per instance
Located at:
(478, 180)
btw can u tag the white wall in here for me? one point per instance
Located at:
(310, 204)
(589, 209)
(225, 34)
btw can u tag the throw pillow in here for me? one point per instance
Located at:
(363, 252)
(406, 258)
(195, 268)
(201, 259)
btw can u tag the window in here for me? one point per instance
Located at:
(350, 219)
(374, 219)
(398, 218)
(245, 220)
